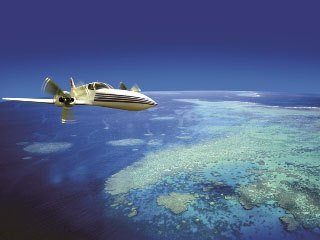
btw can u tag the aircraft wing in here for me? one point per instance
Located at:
(83, 102)
(36, 100)
(47, 101)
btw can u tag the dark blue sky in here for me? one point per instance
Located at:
(161, 45)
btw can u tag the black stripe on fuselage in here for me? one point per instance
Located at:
(130, 100)
(122, 101)
(121, 98)
(116, 95)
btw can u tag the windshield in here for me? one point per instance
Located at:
(99, 85)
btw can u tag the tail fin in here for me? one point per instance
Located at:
(72, 83)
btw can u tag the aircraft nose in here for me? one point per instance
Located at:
(153, 102)
(150, 102)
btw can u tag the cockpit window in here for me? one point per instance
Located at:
(99, 85)
(90, 86)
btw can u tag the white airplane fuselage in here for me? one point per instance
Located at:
(113, 98)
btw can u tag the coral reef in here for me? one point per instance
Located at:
(260, 156)
(289, 222)
(49, 147)
(176, 202)
(126, 142)
(297, 198)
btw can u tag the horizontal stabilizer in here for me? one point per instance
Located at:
(122, 86)
(135, 88)
(36, 100)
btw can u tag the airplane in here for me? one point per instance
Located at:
(92, 94)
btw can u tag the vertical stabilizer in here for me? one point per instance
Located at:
(72, 83)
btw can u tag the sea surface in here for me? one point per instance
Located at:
(200, 165)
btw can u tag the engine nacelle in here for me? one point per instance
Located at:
(64, 101)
